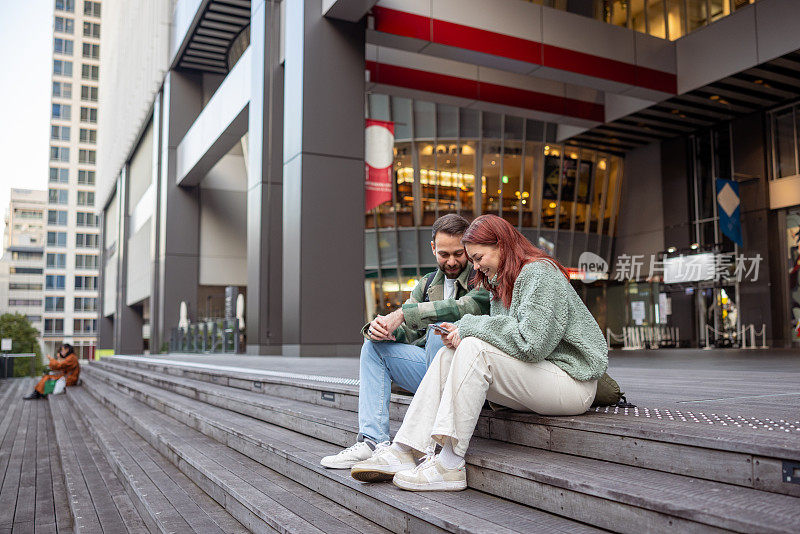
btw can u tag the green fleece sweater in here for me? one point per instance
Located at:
(547, 320)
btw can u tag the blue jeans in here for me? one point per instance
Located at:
(384, 362)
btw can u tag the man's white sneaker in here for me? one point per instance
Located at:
(348, 457)
(384, 463)
(431, 475)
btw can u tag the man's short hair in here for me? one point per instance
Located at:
(450, 224)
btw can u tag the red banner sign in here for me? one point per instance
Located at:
(378, 160)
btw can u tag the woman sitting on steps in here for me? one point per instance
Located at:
(540, 350)
(66, 365)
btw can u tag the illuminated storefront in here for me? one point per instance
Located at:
(459, 160)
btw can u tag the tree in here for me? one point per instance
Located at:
(24, 341)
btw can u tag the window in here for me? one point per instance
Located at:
(87, 156)
(62, 111)
(54, 281)
(26, 255)
(86, 261)
(53, 304)
(59, 153)
(85, 304)
(54, 326)
(88, 115)
(85, 198)
(84, 326)
(56, 239)
(85, 283)
(89, 72)
(59, 133)
(62, 89)
(57, 217)
(63, 46)
(62, 68)
(91, 51)
(86, 219)
(24, 270)
(88, 93)
(91, 29)
(23, 286)
(65, 25)
(24, 302)
(86, 240)
(86, 177)
(88, 136)
(91, 8)
(59, 175)
(56, 260)
(65, 5)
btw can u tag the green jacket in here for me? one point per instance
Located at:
(547, 320)
(418, 315)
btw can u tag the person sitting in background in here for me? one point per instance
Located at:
(540, 350)
(64, 365)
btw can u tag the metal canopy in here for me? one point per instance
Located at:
(212, 35)
(763, 87)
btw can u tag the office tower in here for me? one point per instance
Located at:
(71, 246)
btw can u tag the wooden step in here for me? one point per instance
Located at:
(165, 498)
(612, 496)
(296, 456)
(97, 498)
(743, 456)
(32, 492)
(258, 497)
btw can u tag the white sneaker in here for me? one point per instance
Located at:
(384, 463)
(431, 475)
(348, 457)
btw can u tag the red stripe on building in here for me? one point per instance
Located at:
(477, 40)
(596, 66)
(404, 24)
(486, 92)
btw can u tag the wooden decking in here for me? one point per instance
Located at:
(33, 497)
(212, 444)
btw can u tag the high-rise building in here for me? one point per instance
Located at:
(71, 246)
(22, 263)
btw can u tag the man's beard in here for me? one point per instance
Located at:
(454, 273)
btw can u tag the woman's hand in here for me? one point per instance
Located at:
(453, 339)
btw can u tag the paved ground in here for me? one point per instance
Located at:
(764, 384)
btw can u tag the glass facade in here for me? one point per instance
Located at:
(665, 19)
(784, 124)
(459, 160)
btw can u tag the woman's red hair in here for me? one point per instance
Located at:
(515, 252)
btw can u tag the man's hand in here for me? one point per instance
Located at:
(378, 330)
(392, 321)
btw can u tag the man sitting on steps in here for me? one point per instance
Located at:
(399, 347)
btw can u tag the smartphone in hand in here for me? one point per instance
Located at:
(441, 330)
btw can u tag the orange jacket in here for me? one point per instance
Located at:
(69, 366)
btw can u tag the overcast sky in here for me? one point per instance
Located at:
(27, 29)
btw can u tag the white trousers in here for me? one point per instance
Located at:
(449, 400)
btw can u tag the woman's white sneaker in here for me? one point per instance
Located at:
(384, 463)
(348, 457)
(431, 475)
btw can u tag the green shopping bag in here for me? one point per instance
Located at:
(49, 386)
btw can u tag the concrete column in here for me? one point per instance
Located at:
(323, 177)
(179, 210)
(264, 182)
(157, 336)
(127, 321)
(105, 325)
